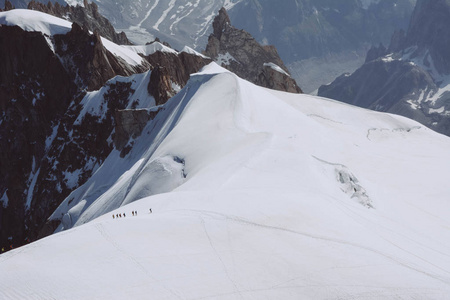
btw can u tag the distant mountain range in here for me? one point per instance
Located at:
(411, 77)
(318, 40)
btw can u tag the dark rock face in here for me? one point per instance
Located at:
(160, 85)
(87, 16)
(169, 69)
(88, 60)
(35, 89)
(411, 79)
(239, 52)
(8, 6)
(129, 123)
(376, 52)
(51, 143)
(429, 30)
(45, 152)
(390, 85)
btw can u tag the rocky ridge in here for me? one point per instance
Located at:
(63, 110)
(237, 51)
(87, 16)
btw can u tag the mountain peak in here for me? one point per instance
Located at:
(221, 21)
(238, 51)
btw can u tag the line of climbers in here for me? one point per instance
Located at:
(134, 213)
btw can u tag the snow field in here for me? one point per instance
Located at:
(252, 207)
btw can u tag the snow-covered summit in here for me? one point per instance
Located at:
(255, 194)
(30, 20)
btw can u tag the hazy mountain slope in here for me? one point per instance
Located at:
(268, 195)
(412, 77)
(301, 30)
(317, 40)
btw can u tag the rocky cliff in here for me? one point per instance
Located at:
(87, 16)
(409, 78)
(64, 109)
(239, 52)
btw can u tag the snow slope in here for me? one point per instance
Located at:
(256, 194)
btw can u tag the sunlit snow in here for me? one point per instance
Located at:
(255, 194)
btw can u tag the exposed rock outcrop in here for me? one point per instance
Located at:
(87, 16)
(45, 152)
(129, 124)
(429, 30)
(376, 52)
(391, 85)
(35, 89)
(239, 52)
(171, 71)
(52, 137)
(8, 6)
(88, 60)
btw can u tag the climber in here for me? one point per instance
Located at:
(113, 216)
(132, 213)
(150, 210)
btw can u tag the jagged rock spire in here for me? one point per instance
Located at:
(239, 52)
(220, 22)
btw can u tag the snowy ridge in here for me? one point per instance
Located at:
(189, 50)
(256, 194)
(150, 49)
(31, 20)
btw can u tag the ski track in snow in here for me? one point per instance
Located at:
(397, 260)
(100, 228)
(224, 266)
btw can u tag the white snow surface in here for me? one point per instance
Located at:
(225, 59)
(151, 48)
(256, 194)
(189, 50)
(31, 20)
(276, 68)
